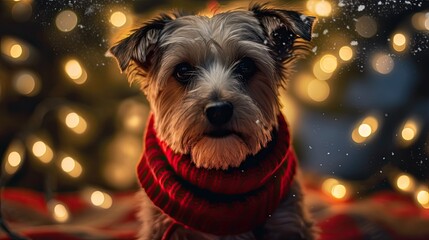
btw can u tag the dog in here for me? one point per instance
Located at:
(217, 162)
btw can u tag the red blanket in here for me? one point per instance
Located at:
(383, 216)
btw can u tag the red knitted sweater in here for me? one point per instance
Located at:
(221, 202)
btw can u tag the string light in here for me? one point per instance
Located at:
(42, 151)
(66, 21)
(364, 129)
(15, 49)
(71, 167)
(26, 83)
(323, 8)
(318, 90)
(14, 157)
(59, 211)
(345, 53)
(420, 21)
(422, 197)
(75, 71)
(75, 122)
(328, 63)
(319, 73)
(405, 183)
(399, 42)
(383, 63)
(118, 19)
(334, 188)
(101, 199)
(409, 131)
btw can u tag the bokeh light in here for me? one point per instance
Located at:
(26, 83)
(339, 191)
(345, 53)
(60, 213)
(66, 20)
(399, 42)
(42, 151)
(422, 197)
(319, 73)
(71, 167)
(323, 8)
(405, 183)
(22, 11)
(383, 63)
(364, 130)
(14, 157)
(366, 26)
(16, 49)
(75, 71)
(76, 122)
(101, 199)
(118, 19)
(318, 90)
(328, 63)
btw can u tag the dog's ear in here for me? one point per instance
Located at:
(282, 28)
(140, 45)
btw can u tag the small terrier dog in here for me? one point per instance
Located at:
(218, 162)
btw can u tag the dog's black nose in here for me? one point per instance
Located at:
(218, 113)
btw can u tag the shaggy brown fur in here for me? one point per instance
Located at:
(215, 47)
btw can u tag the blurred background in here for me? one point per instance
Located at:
(358, 106)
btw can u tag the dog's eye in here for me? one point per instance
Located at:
(184, 72)
(245, 69)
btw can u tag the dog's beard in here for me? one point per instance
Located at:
(219, 153)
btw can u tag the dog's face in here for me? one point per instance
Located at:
(212, 83)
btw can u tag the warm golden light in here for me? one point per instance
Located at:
(339, 191)
(422, 197)
(14, 48)
(410, 130)
(408, 133)
(60, 213)
(71, 167)
(328, 184)
(328, 63)
(68, 164)
(366, 26)
(26, 83)
(318, 90)
(345, 53)
(42, 151)
(101, 199)
(66, 21)
(356, 137)
(418, 20)
(399, 42)
(372, 122)
(16, 51)
(14, 159)
(383, 63)
(319, 73)
(118, 19)
(405, 183)
(364, 130)
(72, 120)
(76, 123)
(39, 148)
(73, 69)
(323, 8)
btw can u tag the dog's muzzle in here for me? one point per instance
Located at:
(219, 113)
